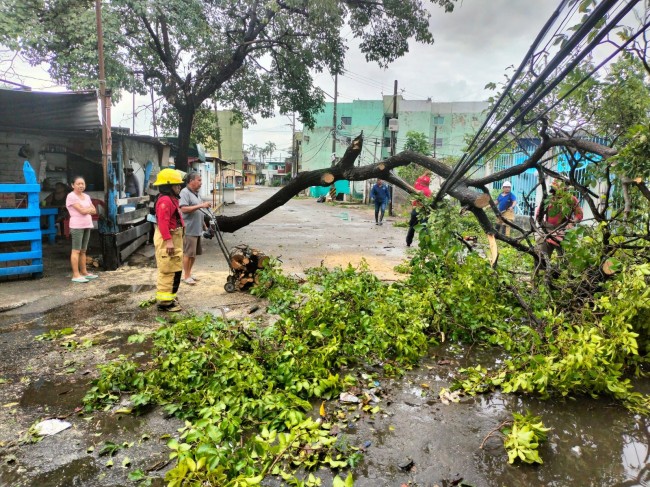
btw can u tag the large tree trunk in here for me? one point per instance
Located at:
(345, 169)
(471, 193)
(186, 118)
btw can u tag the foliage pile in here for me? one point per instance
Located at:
(579, 336)
(523, 438)
(245, 391)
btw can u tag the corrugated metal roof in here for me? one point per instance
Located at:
(56, 112)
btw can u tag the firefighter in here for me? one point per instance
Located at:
(168, 239)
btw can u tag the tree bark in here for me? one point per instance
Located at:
(186, 117)
(465, 190)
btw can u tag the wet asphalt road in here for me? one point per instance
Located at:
(593, 442)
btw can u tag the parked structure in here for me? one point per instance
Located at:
(59, 135)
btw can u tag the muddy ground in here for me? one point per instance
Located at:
(415, 440)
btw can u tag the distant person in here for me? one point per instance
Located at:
(168, 239)
(381, 196)
(57, 199)
(191, 205)
(81, 209)
(131, 186)
(421, 186)
(559, 213)
(506, 203)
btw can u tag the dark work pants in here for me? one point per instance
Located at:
(412, 222)
(379, 206)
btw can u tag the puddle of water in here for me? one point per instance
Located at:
(131, 288)
(593, 442)
(56, 398)
(79, 472)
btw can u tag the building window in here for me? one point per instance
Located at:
(386, 141)
(438, 142)
(438, 120)
(348, 140)
(346, 120)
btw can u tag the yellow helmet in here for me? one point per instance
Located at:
(168, 176)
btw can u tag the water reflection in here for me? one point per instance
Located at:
(593, 442)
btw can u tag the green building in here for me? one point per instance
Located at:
(446, 124)
(232, 140)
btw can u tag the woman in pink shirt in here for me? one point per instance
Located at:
(81, 210)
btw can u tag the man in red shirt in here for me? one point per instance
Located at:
(168, 239)
(421, 186)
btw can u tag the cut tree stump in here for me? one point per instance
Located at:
(246, 261)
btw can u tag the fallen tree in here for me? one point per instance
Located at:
(472, 194)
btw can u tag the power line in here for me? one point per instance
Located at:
(577, 85)
(540, 87)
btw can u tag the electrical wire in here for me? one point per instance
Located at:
(576, 86)
(532, 92)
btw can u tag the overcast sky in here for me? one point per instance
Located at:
(473, 46)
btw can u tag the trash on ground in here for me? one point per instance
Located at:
(347, 397)
(51, 427)
(405, 464)
(447, 397)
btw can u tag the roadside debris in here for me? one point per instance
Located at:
(347, 397)
(405, 463)
(51, 427)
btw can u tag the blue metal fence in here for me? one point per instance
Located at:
(524, 185)
(20, 227)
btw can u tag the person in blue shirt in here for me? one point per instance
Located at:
(506, 203)
(381, 196)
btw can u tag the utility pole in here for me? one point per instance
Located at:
(105, 102)
(392, 133)
(153, 113)
(336, 84)
(393, 143)
(294, 146)
(365, 187)
(435, 140)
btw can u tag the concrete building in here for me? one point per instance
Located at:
(446, 124)
(232, 140)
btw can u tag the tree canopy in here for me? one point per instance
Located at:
(250, 55)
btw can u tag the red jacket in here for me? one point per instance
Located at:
(168, 216)
(555, 217)
(422, 186)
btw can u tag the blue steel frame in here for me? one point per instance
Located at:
(26, 229)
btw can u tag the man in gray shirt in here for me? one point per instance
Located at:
(191, 204)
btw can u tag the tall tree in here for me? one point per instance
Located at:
(415, 142)
(253, 55)
(269, 149)
(254, 150)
